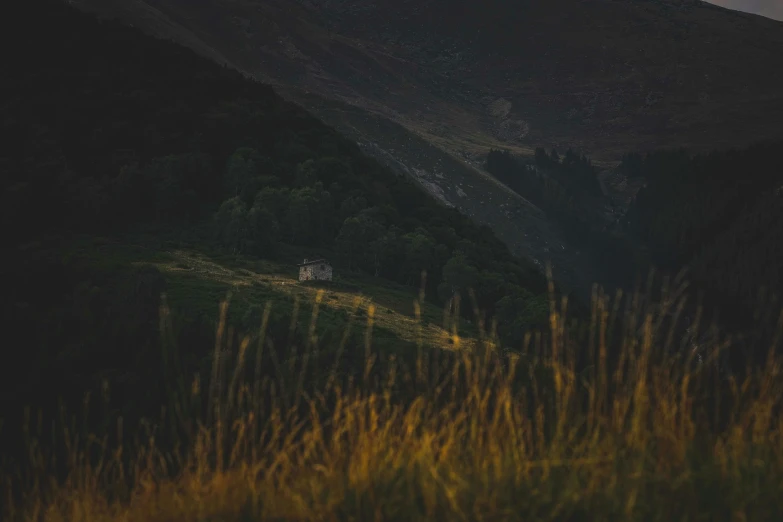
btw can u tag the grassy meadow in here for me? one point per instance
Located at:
(470, 433)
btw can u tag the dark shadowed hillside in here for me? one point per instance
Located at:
(133, 167)
(430, 87)
(715, 218)
(719, 215)
(605, 76)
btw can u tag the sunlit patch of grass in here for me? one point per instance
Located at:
(394, 306)
(472, 437)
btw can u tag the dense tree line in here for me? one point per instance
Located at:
(717, 213)
(566, 188)
(371, 229)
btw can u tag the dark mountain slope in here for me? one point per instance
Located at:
(605, 76)
(718, 215)
(155, 149)
(430, 87)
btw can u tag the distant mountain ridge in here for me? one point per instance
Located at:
(601, 75)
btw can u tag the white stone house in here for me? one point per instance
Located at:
(315, 270)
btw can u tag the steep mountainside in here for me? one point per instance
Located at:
(429, 87)
(137, 177)
(718, 215)
(605, 76)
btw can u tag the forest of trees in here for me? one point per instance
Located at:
(720, 215)
(567, 189)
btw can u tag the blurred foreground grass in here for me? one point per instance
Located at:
(637, 432)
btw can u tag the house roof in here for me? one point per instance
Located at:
(313, 262)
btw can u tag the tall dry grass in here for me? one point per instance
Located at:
(636, 431)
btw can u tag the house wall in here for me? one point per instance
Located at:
(315, 272)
